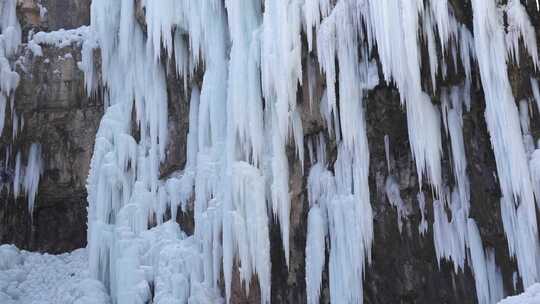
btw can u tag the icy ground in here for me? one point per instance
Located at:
(34, 278)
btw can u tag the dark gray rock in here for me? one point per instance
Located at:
(67, 14)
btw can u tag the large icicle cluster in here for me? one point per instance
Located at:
(244, 115)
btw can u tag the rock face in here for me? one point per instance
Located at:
(57, 113)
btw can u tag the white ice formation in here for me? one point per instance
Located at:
(245, 130)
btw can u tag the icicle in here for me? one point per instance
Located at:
(466, 50)
(449, 236)
(387, 151)
(33, 172)
(519, 26)
(503, 124)
(528, 140)
(315, 254)
(478, 263)
(536, 92)
(250, 225)
(442, 18)
(429, 36)
(313, 11)
(3, 102)
(10, 38)
(496, 287)
(423, 226)
(10, 29)
(348, 207)
(458, 158)
(395, 27)
(17, 175)
(487, 276)
(394, 198)
(281, 46)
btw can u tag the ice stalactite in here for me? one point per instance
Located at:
(520, 28)
(33, 172)
(449, 237)
(528, 140)
(315, 253)
(281, 45)
(394, 198)
(423, 226)
(10, 28)
(536, 92)
(245, 221)
(487, 276)
(26, 177)
(393, 29)
(459, 241)
(343, 196)
(123, 183)
(10, 38)
(393, 192)
(118, 216)
(454, 126)
(503, 123)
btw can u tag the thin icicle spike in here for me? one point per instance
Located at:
(423, 226)
(394, 198)
(33, 172)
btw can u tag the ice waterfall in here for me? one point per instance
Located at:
(244, 121)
